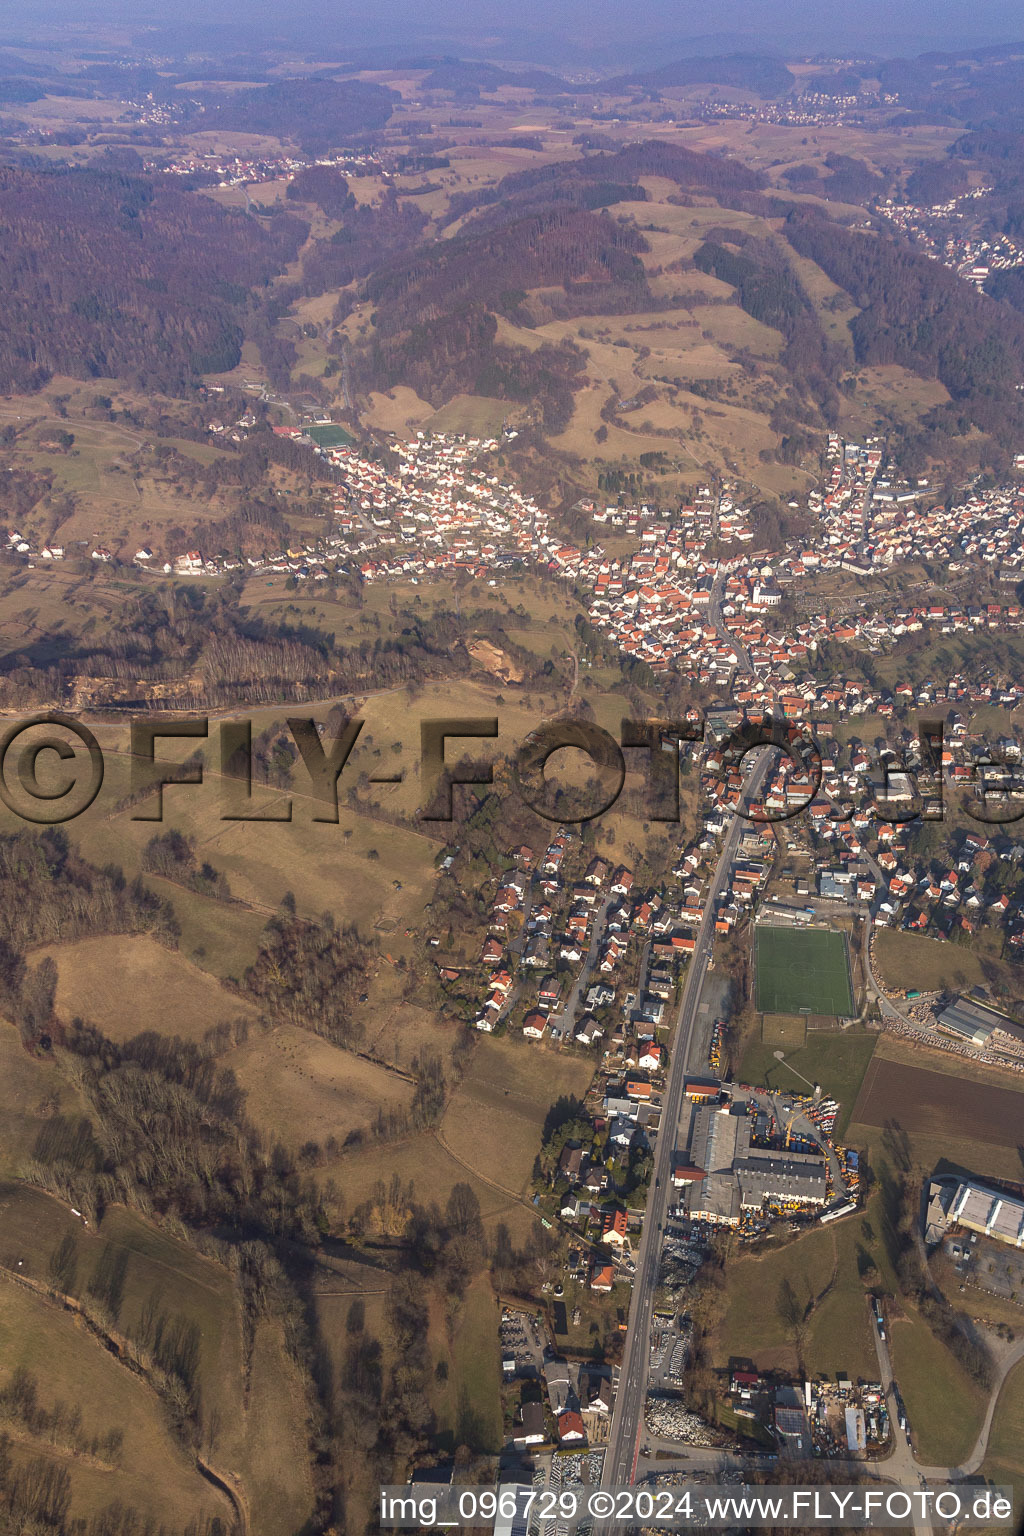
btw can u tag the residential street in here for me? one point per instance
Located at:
(568, 1018)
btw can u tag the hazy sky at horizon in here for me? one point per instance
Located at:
(878, 26)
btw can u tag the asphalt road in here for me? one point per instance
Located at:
(899, 1465)
(627, 1415)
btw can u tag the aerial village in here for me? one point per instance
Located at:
(693, 596)
(580, 955)
(934, 231)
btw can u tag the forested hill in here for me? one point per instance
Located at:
(600, 180)
(916, 312)
(743, 71)
(104, 274)
(463, 75)
(547, 228)
(317, 114)
(592, 257)
(549, 243)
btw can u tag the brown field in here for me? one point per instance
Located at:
(400, 411)
(301, 1088)
(397, 1031)
(498, 1143)
(129, 983)
(279, 1483)
(901, 387)
(433, 1171)
(930, 1103)
(899, 1048)
(220, 937)
(579, 436)
(930, 1379)
(819, 1263)
(476, 415)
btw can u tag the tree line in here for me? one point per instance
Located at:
(220, 653)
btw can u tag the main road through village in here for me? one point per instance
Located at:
(687, 1055)
(627, 1426)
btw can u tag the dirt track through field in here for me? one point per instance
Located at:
(937, 1103)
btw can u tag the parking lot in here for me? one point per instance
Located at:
(991, 1266)
(522, 1339)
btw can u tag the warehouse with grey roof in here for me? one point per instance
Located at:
(739, 1177)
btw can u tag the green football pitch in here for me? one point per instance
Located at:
(803, 970)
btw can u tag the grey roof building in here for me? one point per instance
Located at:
(969, 1020)
(740, 1177)
(781, 1177)
(721, 1137)
(971, 1204)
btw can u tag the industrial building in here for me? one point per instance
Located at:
(970, 1021)
(739, 1177)
(976, 1207)
(721, 1138)
(783, 1178)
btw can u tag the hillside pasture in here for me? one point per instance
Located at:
(475, 415)
(154, 1473)
(157, 1265)
(399, 410)
(424, 1163)
(279, 1481)
(259, 1439)
(494, 1120)
(322, 864)
(128, 983)
(301, 1088)
(30, 1088)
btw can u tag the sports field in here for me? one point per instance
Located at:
(802, 970)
